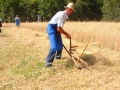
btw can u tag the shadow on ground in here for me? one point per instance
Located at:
(88, 58)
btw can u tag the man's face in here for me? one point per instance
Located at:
(69, 11)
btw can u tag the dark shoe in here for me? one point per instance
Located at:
(48, 65)
(58, 58)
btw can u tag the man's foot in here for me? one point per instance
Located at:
(48, 65)
(58, 58)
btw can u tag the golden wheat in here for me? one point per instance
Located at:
(107, 33)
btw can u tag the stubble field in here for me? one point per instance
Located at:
(23, 51)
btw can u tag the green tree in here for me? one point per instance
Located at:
(47, 8)
(32, 10)
(6, 10)
(88, 10)
(67, 1)
(24, 8)
(111, 10)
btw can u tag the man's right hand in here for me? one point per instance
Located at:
(68, 36)
(59, 29)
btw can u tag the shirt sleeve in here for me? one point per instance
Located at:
(61, 21)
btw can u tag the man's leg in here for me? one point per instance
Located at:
(52, 51)
(50, 58)
(58, 54)
(59, 46)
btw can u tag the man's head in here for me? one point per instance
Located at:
(69, 8)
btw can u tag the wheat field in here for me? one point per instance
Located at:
(23, 51)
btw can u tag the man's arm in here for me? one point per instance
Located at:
(59, 29)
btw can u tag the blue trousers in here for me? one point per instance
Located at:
(56, 45)
(17, 22)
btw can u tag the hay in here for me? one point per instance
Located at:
(89, 58)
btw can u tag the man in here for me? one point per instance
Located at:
(0, 25)
(17, 21)
(54, 30)
(39, 18)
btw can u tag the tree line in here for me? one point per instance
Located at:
(86, 10)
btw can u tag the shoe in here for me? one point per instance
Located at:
(58, 58)
(48, 65)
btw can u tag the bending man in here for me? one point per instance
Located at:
(54, 30)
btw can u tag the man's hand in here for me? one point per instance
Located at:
(59, 29)
(68, 36)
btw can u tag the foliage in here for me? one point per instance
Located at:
(111, 10)
(48, 8)
(86, 10)
(23, 8)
